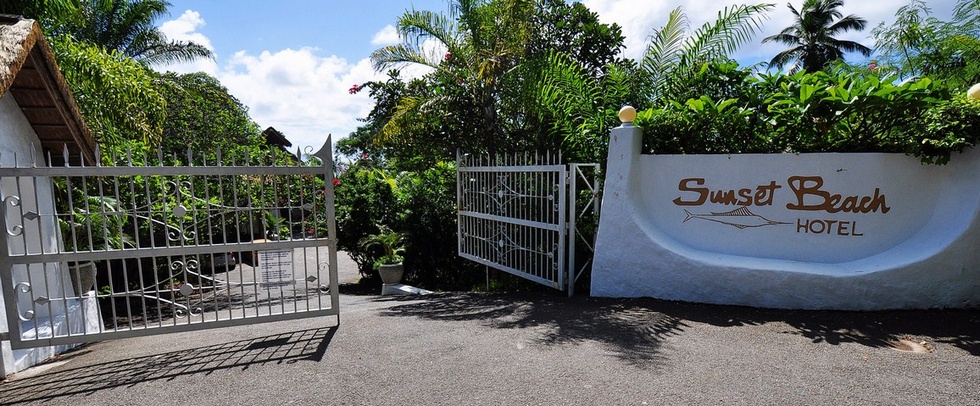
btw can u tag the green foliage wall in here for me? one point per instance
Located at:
(826, 111)
(421, 205)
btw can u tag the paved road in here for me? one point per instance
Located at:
(535, 348)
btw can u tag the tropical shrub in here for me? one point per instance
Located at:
(826, 111)
(363, 202)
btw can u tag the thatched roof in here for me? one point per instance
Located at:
(274, 137)
(29, 72)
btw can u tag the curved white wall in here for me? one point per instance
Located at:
(17, 139)
(835, 231)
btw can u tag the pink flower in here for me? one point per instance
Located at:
(365, 156)
(448, 55)
(354, 89)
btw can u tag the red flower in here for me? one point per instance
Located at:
(365, 156)
(354, 89)
(448, 55)
(336, 182)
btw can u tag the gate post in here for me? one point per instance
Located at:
(625, 144)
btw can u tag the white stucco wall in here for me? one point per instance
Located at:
(50, 280)
(828, 231)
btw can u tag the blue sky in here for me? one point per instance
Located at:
(292, 61)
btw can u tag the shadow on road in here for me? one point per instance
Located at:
(275, 349)
(636, 328)
(634, 332)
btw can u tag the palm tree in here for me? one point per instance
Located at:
(474, 47)
(674, 53)
(128, 26)
(812, 36)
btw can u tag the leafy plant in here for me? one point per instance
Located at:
(275, 226)
(838, 110)
(392, 244)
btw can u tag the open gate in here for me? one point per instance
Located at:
(162, 244)
(527, 215)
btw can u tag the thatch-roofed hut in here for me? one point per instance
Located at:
(29, 73)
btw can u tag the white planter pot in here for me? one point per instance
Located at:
(82, 277)
(391, 273)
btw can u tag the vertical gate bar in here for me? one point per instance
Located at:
(153, 241)
(209, 226)
(331, 228)
(572, 227)
(129, 306)
(237, 218)
(562, 226)
(100, 182)
(459, 203)
(70, 215)
(62, 242)
(85, 203)
(6, 272)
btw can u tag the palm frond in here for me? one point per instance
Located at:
(417, 28)
(851, 22)
(174, 51)
(666, 44)
(734, 27)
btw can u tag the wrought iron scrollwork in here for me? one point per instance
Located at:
(24, 287)
(12, 201)
(176, 234)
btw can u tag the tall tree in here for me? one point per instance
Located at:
(812, 36)
(918, 44)
(901, 43)
(129, 26)
(116, 95)
(202, 115)
(469, 52)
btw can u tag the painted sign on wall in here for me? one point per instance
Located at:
(837, 231)
(817, 207)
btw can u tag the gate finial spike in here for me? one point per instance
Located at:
(64, 153)
(325, 152)
(98, 157)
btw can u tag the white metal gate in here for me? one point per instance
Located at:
(163, 244)
(520, 214)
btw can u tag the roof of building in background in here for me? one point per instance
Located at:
(29, 72)
(274, 137)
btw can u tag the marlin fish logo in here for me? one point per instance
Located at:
(740, 218)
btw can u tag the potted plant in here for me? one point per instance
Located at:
(389, 265)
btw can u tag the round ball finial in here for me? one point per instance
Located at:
(973, 93)
(627, 114)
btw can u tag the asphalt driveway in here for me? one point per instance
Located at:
(540, 348)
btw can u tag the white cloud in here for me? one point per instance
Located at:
(638, 18)
(185, 28)
(300, 93)
(387, 36)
